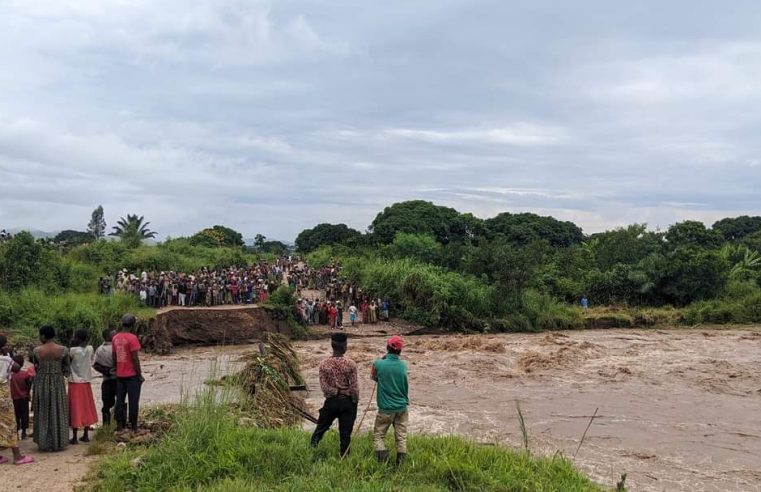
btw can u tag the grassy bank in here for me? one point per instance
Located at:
(208, 450)
(23, 312)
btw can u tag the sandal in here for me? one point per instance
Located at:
(24, 460)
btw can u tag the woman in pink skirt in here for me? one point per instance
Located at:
(82, 412)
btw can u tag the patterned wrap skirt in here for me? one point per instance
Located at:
(8, 434)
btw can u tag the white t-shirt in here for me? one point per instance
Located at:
(352, 309)
(5, 368)
(81, 361)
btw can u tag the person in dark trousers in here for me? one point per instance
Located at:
(21, 386)
(338, 380)
(390, 373)
(104, 364)
(129, 377)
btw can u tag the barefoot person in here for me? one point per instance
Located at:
(390, 373)
(82, 412)
(129, 377)
(8, 433)
(338, 380)
(49, 403)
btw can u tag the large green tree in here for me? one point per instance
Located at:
(421, 217)
(97, 225)
(24, 261)
(323, 235)
(525, 228)
(692, 233)
(737, 228)
(72, 238)
(217, 236)
(132, 230)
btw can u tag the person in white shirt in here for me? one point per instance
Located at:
(82, 412)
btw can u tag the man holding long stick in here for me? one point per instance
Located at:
(339, 383)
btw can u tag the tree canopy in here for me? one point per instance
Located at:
(73, 238)
(525, 228)
(324, 235)
(737, 228)
(217, 236)
(420, 217)
(132, 230)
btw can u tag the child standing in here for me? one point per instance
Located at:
(21, 384)
(82, 413)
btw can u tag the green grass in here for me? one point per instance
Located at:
(22, 313)
(208, 451)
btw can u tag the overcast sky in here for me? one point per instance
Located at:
(272, 116)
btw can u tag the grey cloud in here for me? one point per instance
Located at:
(273, 116)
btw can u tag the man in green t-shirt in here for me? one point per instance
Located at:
(390, 373)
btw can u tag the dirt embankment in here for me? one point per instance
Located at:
(210, 327)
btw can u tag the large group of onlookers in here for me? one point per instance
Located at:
(337, 300)
(205, 287)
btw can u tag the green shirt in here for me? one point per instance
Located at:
(392, 384)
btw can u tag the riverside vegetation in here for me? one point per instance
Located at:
(439, 267)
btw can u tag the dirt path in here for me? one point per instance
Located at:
(169, 379)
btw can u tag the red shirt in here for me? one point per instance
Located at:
(20, 385)
(124, 344)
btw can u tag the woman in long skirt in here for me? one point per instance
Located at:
(82, 412)
(51, 409)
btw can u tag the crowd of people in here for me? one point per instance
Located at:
(205, 287)
(60, 409)
(336, 296)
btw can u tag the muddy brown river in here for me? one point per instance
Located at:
(679, 410)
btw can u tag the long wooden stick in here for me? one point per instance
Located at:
(585, 432)
(367, 408)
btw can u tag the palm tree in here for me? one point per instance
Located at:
(745, 263)
(132, 230)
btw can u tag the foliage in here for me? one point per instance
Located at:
(132, 230)
(217, 236)
(25, 261)
(324, 235)
(420, 217)
(97, 225)
(209, 450)
(737, 228)
(419, 247)
(69, 237)
(22, 313)
(527, 228)
(692, 233)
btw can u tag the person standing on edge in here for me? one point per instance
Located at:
(104, 364)
(49, 403)
(338, 380)
(82, 413)
(390, 373)
(8, 433)
(129, 378)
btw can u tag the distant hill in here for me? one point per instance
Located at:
(35, 232)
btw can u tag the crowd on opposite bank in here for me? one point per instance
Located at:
(205, 287)
(336, 296)
(57, 385)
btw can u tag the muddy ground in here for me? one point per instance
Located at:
(678, 409)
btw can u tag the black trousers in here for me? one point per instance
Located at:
(21, 409)
(108, 396)
(127, 388)
(345, 411)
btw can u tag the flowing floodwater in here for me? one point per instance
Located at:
(678, 409)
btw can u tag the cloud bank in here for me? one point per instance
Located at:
(272, 116)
